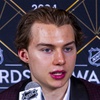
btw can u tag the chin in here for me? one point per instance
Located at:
(58, 85)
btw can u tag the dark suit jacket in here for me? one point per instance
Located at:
(80, 90)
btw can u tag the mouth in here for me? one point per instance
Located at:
(58, 75)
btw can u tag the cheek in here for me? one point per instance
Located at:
(71, 64)
(38, 66)
(72, 55)
(42, 58)
(40, 61)
(71, 61)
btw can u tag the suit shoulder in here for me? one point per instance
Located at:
(12, 92)
(86, 83)
(90, 85)
(93, 89)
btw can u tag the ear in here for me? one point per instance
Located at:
(23, 55)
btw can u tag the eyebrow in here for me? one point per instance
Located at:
(50, 45)
(73, 42)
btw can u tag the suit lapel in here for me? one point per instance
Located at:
(78, 90)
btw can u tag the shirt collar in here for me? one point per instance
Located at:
(67, 94)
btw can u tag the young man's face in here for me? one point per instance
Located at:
(51, 54)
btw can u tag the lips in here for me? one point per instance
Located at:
(58, 74)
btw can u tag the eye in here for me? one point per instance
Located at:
(47, 50)
(67, 49)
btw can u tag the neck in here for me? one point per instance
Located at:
(55, 94)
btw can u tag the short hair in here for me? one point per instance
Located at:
(46, 15)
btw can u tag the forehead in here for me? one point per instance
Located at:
(51, 33)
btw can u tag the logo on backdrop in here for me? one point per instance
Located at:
(1, 56)
(94, 56)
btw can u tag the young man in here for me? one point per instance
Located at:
(47, 41)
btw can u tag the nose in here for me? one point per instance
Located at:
(59, 58)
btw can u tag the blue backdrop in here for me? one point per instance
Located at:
(88, 60)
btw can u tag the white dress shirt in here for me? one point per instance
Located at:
(67, 94)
